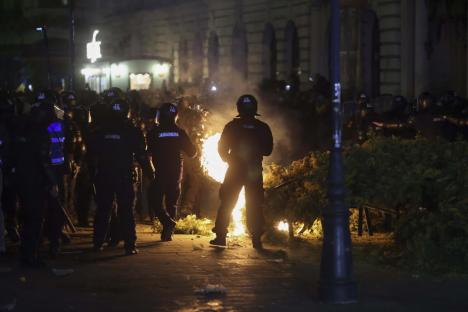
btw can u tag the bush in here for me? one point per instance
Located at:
(425, 181)
(189, 225)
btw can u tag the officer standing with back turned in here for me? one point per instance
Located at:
(244, 142)
(166, 142)
(113, 147)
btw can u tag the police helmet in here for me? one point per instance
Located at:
(119, 107)
(46, 95)
(425, 101)
(247, 106)
(364, 102)
(167, 113)
(399, 103)
(68, 100)
(112, 94)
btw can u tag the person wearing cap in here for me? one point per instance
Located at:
(166, 143)
(113, 148)
(243, 144)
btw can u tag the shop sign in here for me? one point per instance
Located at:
(93, 48)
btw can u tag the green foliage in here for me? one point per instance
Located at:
(189, 225)
(293, 193)
(425, 181)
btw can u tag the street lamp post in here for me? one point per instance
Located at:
(72, 45)
(336, 284)
(43, 30)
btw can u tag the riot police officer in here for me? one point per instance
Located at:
(4, 144)
(426, 122)
(243, 144)
(11, 122)
(56, 167)
(39, 159)
(166, 142)
(396, 122)
(113, 147)
(454, 113)
(363, 118)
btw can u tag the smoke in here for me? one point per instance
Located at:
(284, 123)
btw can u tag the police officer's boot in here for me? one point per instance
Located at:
(131, 250)
(166, 234)
(220, 240)
(257, 242)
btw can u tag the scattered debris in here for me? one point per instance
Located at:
(212, 290)
(8, 307)
(197, 247)
(62, 272)
(275, 260)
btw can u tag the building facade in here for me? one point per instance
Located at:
(387, 46)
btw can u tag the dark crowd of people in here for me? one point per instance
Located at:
(443, 116)
(59, 153)
(429, 117)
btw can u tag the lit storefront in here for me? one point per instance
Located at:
(131, 74)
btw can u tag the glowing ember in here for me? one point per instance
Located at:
(216, 168)
(283, 226)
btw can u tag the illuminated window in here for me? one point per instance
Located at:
(140, 81)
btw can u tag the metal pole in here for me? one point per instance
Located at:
(336, 284)
(46, 43)
(72, 46)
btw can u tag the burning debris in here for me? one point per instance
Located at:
(216, 168)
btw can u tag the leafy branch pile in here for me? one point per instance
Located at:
(425, 181)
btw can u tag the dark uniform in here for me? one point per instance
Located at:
(243, 143)
(112, 150)
(38, 158)
(363, 118)
(4, 139)
(9, 198)
(427, 123)
(166, 142)
(396, 122)
(53, 137)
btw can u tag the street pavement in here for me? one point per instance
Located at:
(189, 275)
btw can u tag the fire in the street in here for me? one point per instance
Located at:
(216, 168)
(282, 226)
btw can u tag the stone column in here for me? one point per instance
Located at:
(408, 48)
(421, 61)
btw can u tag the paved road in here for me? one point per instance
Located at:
(166, 277)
